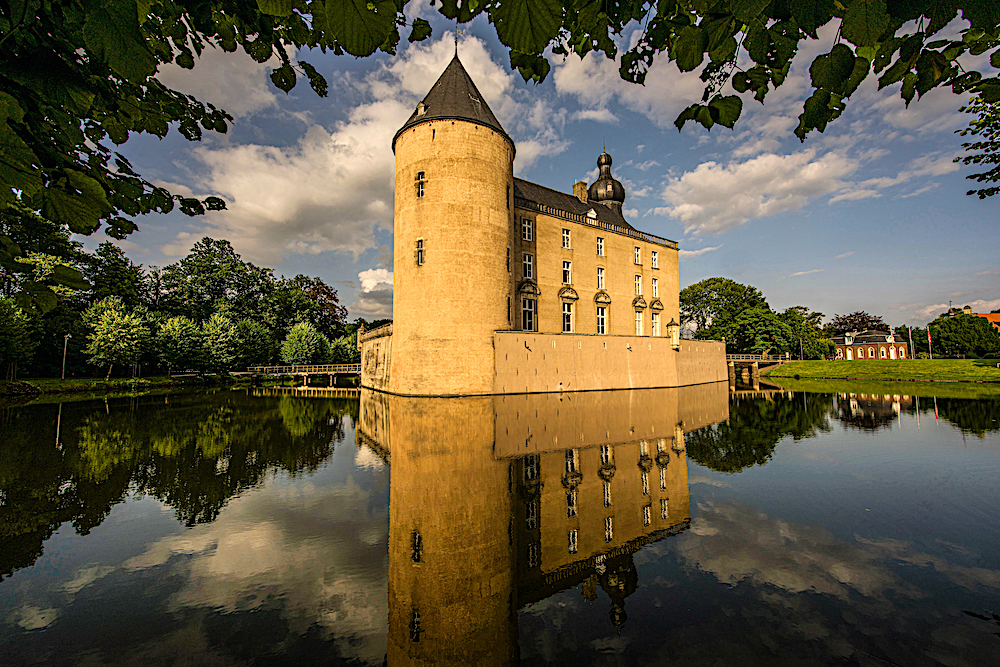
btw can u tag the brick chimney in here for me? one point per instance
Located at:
(580, 191)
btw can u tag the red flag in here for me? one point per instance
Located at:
(929, 343)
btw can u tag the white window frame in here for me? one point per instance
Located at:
(600, 246)
(646, 512)
(566, 239)
(645, 483)
(567, 317)
(572, 461)
(655, 287)
(638, 255)
(609, 528)
(663, 479)
(528, 266)
(654, 259)
(531, 515)
(421, 179)
(638, 323)
(527, 229)
(573, 539)
(571, 507)
(420, 252)
(567, 273)
(602, 320)
(529, 315)
(600, 277)
(605, 454)
(638, 285)
(607, 494)
(655, 323)
(534, 551)
(664, 508)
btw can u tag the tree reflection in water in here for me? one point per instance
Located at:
(193, 452)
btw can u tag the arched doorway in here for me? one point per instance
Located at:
(892, 352)
(850, 354)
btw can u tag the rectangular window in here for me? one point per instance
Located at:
(605, 454)
(654, 259)
(567, 317)
(638, 323)
(530, 515)
(416, 547)
(565, 237)
(645, 483)
(656, 324)
(508, 259)
(638, 255)
(420, 252)
(527, 314)
(570, 460)
(567, 273)
(602, 319)
(664, 510)
(609, 529)
(530, 466)
(527, 230)
(508, 197)
(572, 540)
(663, 479)
(600, 277)
(571, 504)
(607, 494)
(645, 515)
(420, 184)
(643, 448)
(600, 246)
(655, 284)
(533, 554)
(508, 311)
(638, 285)
(529, 266)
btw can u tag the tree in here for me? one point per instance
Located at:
(987, 127)
(220, 342)
(100, 61)
(253, 344)
(857, 321)
(180, 344)
(118, 336)
(710, 306)
(327, 314)
(16, 342)
(759, 330)
(111, 273)
(305, 345)
(964, 335)
(806, 326)
(345, 350)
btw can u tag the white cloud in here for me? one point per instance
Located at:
(643, 166)
(718, 197)
(978, 306)
(920, 191)
(804, 273)
(846, 254)
(374, 300)
(697, 253)
(598, 115)
(855, 195)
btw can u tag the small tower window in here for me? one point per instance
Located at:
(420, 252)
(508, 259)
(508, 310)
(417, 546)
(508, 197)
(420, 183)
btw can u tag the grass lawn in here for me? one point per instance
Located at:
(888, 387)
(927, 370)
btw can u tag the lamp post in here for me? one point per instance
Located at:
(65, 343)
(674, 331)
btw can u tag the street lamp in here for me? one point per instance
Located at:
(674, 330)
(65, 343)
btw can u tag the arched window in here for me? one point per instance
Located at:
(881, 353)
(871, 353)
(902, 353)
(850, 355)
(840, 353)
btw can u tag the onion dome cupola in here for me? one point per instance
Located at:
(606, 189)
(453, 96)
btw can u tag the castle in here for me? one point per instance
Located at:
(505, 286)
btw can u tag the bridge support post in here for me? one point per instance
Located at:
(732, 372)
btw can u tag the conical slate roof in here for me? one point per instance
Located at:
(456, 97)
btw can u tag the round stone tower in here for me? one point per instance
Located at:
(454, 208)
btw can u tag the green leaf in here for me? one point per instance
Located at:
(358, 29)
(284, 77)
(316, 80)
(815, 114)
(832, 70)
(741, 82)
(275, 7)
(726, 110)
(689, 49)
(685, 116)
(995, 58)
(531, 67)
(35, 296)
(864, 22)
(420, 31)
(746, 10)
(909, 87)
(78, 202)
(527, 25)
(69, 277)
(112, 35)
(811, 14)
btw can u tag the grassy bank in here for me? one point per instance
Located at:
(914, 370)
(887, 387)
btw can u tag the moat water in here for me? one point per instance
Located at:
(688, 527)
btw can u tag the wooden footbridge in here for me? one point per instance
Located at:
(331, 371)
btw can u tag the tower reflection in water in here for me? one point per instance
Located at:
(499, 502)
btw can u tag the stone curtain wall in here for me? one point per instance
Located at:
(531, 362)
(376, 357)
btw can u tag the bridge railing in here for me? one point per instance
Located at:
(756, 357)
(315, 369)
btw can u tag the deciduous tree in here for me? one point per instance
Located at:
(305, 345)
(985, 148)
(964, 335)
(16, 341)
(180, 344)
(710, 306)
(857, 321)
(118, 335)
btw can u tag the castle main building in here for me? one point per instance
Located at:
(505, 286)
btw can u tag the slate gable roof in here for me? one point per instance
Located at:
(567, 202)
(869, 336)
(453, 96)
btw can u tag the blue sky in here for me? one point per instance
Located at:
(870, 215)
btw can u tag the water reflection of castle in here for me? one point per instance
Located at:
(871, 411)
(499, 502)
